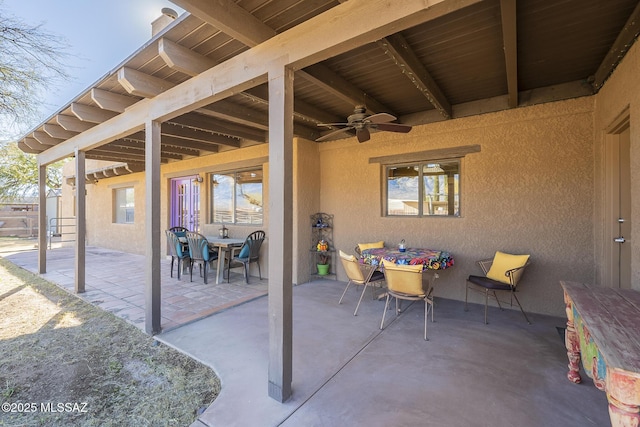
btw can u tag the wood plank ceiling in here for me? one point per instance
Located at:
(490, 56)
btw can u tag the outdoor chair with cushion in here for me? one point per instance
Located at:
(501, 274)
(181, 232)
(177, 251)
(359, 274)
(249, 252)
(404, 282)
(200, 253)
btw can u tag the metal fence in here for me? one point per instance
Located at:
(62, 229)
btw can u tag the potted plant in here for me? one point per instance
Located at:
(323, 258)
(323, 264)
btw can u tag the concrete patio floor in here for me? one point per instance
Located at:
(346, 371)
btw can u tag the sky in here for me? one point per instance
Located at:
(100, 35)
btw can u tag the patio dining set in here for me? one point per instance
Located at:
(190, 248)
(410, 274)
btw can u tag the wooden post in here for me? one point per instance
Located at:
(280, 231)
(42, 219)
(152, 298)
(81, 221)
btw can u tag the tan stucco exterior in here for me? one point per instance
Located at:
(535, 187)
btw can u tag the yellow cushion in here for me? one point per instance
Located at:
(375, 245)
(399, 281)
(503, 262)
(346, 256)
(403, 267)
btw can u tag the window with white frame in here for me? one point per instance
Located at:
(123, 205)
(236, 197)
(429, 188)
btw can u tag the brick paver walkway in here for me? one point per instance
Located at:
(115, 282)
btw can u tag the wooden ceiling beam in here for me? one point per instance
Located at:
(112, 101)
(333, 83)
(87, 113)
(229, 18)
(46, 139)
(34, 144)
(198, 135)
(209, 124)
(302, 110)
(26, 149)
(57, 131)
(116, 158)
(399, 51)
(72, 123)
(141, 84)
(510, 44)
(182, 59)
(625, 39)
(131, 143)
(238, 114)
(131, 153)
(191, 144)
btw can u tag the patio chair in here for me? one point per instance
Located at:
(404, 282)
(177, 251)
(181, 232)
(200, 253)
(359, 274)
(249, 252)
(501, 274)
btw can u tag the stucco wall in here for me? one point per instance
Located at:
(101, 231)
(621, 91)
(529, 190)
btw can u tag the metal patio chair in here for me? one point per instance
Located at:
(359, 274)
(501, 274)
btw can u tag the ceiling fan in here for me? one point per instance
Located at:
(361, 123)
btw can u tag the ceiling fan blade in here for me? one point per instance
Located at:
(333, 124)
(363, 134)
(334, 133)
(380, 118)
(393, 127)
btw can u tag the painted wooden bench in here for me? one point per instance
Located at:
(603, 331)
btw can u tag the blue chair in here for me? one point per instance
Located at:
(249, 252)
(200, 253)
(177, 251)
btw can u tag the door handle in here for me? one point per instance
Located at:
(619, 239)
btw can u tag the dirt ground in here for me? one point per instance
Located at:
(64, 362)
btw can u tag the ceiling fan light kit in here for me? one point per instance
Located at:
(361, 122)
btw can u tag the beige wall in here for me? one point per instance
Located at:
(102, 231)
(619, 93)
(529, 190)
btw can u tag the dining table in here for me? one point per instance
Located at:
(430, 259)
(223, 245)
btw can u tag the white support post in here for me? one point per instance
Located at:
(42, 219)
(81, 221)
(280, 231)
(152, 300)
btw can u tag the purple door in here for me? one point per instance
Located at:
(185, 203)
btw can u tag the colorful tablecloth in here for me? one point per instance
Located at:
(430, 258)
